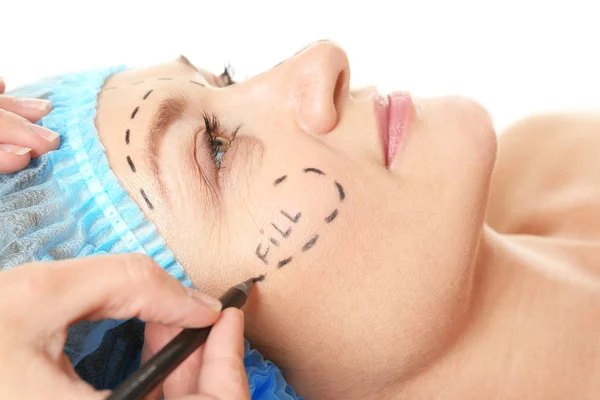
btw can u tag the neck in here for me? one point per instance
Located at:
(508, 328)
(508, 335)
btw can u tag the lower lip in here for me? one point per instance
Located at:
(393, 115)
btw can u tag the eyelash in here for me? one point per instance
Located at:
(226, 75)
(212, 128)
(212, 125)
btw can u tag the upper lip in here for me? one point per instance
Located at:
(394, 113)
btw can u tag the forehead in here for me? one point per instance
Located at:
(178, 68)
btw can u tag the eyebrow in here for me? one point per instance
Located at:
(169, 111)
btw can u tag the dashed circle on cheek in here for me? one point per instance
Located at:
(280, 233)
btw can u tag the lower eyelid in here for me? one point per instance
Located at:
(241, 164)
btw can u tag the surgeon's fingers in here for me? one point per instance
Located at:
(184, 379)
(30, 109)
(13, 158)
(157, 392)
(222, 374)
(18, 131)
(56, 294)
(2, 86)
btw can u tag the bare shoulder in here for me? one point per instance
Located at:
(548, 171)
(551, 130)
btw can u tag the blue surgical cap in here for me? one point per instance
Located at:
(69, 204)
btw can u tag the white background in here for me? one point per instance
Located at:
(514, 57)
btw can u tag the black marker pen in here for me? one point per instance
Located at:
(156, 369)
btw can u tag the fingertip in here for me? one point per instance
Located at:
(196, 312)
(2, 85)
(236, 316)
(230, 318)
(44, 148)
(205, 300)
(223, 371)
(228, 332)
(44, 139)
(13, 159)
(54, 143)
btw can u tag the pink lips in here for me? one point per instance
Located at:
(393, 117)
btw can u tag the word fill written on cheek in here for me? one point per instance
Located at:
(279, 234)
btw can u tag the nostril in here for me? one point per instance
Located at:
(339, 91)
(321, 88)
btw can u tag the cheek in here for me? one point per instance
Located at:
(294, 214)
(390, 249)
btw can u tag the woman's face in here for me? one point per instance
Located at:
(306, 195)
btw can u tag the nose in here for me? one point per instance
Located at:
(320, 77)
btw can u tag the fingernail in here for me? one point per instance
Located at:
(44, 133)
(14, 149)
(38, 104)
(206, 300)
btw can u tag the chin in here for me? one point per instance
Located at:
(473, 128)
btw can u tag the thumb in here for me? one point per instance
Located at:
(222, 374)
(184, 379)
